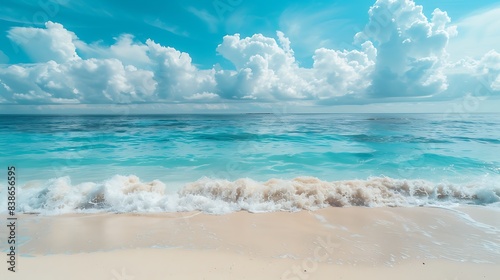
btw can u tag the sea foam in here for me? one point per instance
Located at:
(217, 196)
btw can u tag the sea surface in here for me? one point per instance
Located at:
(253, 162)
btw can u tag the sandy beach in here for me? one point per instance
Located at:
(332, 243)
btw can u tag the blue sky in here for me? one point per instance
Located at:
(240, 55)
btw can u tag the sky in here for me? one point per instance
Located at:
(233, 56)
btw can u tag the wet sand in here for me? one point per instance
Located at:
(332, 243)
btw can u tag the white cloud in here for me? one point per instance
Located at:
(125, 72)
(175, 73)
(339, 73)
(57, 42)
(400, 56)
(410, 49)
(124, 49)
(265, 69)
(77, 81)
(129, 52)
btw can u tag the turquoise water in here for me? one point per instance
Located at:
(178, 150)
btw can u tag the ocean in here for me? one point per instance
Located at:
(253, 162)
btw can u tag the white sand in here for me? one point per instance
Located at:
(332, 243)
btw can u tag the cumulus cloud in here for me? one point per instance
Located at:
(124, 49)
(265, 69)
(410, 49)
(175, 73)
(125, 72)
(78, 81)
(401, 55)
(42, 45)
(339, 73)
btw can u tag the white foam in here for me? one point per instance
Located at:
(130, 194)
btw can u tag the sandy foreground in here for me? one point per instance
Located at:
(332, 243)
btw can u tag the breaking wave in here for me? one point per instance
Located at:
(129, 194)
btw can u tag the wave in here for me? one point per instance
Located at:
(216, 196)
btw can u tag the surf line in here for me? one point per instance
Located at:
(11, 218)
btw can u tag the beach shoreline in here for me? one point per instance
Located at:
(330, 243)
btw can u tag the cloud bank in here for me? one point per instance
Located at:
(401, 55)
